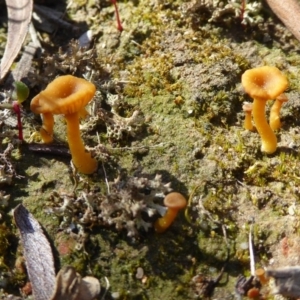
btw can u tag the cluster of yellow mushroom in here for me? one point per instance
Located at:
(263, 84)
(67, 95)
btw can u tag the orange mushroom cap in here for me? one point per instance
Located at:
(175, 202)
(264, 82)
(253, 293)
(67, 95)
(64, 95)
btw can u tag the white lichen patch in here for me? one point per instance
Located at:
(116, 125)
(129, 205)
(7, 170)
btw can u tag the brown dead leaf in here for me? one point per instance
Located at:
(37, 253)
(19, 16)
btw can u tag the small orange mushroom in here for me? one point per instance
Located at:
(247, 108)
(174, 202)
(263, 84)
(261, 275)
(274, 120)
(67, 95)
(253, 293)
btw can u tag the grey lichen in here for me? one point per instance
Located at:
(7, 170)
(227, 11)
(75, 60)
(128, 205)
(116, 125)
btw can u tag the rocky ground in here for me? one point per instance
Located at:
(169, 103)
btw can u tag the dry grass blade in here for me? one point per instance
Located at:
(37, 253)
(19, 16)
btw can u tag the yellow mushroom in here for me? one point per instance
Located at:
(263, 84)
(274, 120)
(67, 95)
(174, 202)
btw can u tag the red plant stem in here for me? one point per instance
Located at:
(120, 27)
(243, 6)
(17, 110)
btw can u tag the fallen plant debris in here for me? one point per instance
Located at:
(70, 286)
(288, 12)
(19, 17)
(204, 286)
(243, 285)
(37, 253)
(40, 265)
(287, 281)
(48, 19)
(52, 149)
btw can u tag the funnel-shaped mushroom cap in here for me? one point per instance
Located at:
(64, 95)
(264, 82)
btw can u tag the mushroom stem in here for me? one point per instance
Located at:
(164, 222)
(247, 108)
(82, 160)
(269, 140)
(47, 129)
(274, 120)
(248, 121)
(274, 115)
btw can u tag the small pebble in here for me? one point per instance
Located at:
(139, 273)
(244, 245)
(85, 39)
(115, 295)
(144, 279)
(292, 209)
